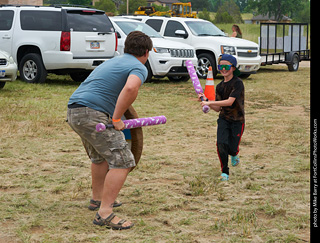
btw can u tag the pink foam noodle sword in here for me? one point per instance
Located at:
(134, 123)
(196, 84)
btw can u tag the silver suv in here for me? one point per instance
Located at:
(60, 40)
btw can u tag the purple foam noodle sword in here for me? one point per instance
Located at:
(196, 84)
(134, 123)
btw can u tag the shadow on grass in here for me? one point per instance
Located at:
(64, 80)
(272, 69)
(164, 81)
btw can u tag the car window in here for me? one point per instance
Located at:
(155, 24)
(204, 28)
(89, 21)
(40, 20)
(171, 27)
(127, 27)
(6, 19)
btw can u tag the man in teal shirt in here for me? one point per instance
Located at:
(104, 96)
(101, 89)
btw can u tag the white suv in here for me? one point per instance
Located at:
(167, 58)
(208, 40)
(8, 68)
(61, 40)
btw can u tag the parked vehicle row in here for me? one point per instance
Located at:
(208, 40)
(61, 40)
(74, 40)
(167, 57)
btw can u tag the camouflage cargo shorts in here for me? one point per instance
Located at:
(109, 145)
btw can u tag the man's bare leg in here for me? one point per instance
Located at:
(98, 175)
(113, 182)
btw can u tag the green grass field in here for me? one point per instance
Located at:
(174, 194)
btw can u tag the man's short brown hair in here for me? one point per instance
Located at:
(137, 43)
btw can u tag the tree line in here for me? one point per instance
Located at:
(227, 11)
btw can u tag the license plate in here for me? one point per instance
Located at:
(247, 68)
(2, 73)
(95, 45)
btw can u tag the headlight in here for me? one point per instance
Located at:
(161, 50)
(228, 50)
(11, 61)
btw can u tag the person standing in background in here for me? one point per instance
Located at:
(236, 31)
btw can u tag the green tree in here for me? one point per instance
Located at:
(242, 4)
(80, 2)
(198, 5)
(106, 5)
(133, 6)
(160, 8)
(276, 8)
(52, 2)
(205, 14)
(228, 12)
(223, 17)
(302, 15)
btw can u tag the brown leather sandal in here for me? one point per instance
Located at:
(107, 222)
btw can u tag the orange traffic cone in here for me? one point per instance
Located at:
(209, 91)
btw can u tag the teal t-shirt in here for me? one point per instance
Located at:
(101, 89)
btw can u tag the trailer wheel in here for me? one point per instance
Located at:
(293, 66)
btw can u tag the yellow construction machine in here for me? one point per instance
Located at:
(177, 10)
(145, 10)
(182, 10)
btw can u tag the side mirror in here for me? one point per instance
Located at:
(181, 33)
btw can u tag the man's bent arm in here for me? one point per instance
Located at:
(127, 96)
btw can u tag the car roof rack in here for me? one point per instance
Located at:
(69, 5)
(38, 6)
(142, 15)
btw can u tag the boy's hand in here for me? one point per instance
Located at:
(201, 95)
(203, 103)
(119, 126)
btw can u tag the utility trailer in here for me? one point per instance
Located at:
(284, 43)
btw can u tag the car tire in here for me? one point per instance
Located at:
(79, 76)
(205, 60)
(244, 75)
(2, 84)
(31, 69)
(179, 78)
(150, 74)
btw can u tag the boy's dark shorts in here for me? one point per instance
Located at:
(109, 145)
